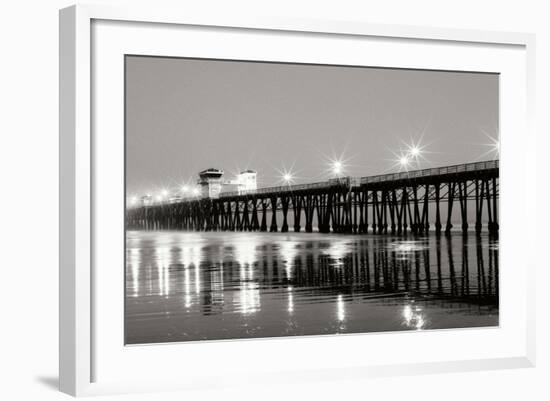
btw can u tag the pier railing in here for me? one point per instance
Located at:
(357, 181)
(430, 172)
(286, 188)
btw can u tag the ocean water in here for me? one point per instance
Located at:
(187, 286)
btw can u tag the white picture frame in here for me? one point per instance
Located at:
(82, 345)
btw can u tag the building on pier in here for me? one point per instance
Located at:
(247, 181)
(146, 200)
(212, 184)
(210, 181)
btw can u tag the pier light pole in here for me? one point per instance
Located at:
(337, 168)
(404, 162)
(287, 178)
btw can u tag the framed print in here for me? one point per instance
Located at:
(288, 197)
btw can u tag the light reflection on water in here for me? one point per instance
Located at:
(191, 286)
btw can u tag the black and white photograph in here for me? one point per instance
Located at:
(290, 200)
(268, 199)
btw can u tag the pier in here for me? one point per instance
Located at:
(399, 203)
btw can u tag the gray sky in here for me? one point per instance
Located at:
(185, 115)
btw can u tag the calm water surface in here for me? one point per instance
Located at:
(184, 286)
